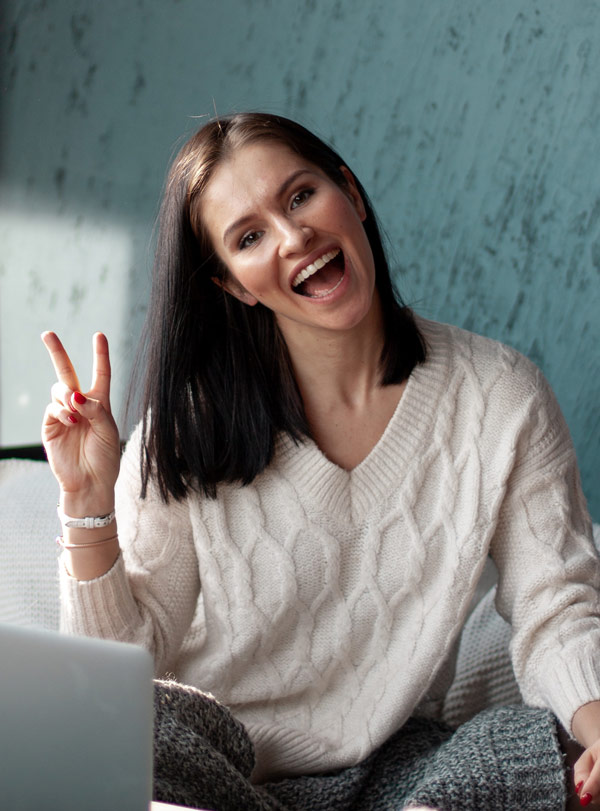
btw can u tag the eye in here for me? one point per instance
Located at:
(301, 197)
(249, 239)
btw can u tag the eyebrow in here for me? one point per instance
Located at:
(241, 221)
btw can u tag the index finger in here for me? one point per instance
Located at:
(101, 369)
(60, 360)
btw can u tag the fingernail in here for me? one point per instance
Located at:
(79, 398)
(72, 418)
(586, 799)
(578, 787)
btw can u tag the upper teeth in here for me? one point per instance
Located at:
(314, 266)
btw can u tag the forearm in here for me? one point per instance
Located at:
(89, 553)
(149, 593)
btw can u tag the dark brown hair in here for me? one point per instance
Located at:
(218, 380)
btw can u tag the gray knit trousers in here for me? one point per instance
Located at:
(505, 758)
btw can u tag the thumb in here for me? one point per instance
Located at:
(94, 412)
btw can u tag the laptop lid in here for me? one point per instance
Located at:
(75, 722)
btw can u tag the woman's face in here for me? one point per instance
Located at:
(290, 238)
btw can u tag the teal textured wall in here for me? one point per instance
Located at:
(473, 126)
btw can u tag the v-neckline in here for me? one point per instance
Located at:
(325, 486)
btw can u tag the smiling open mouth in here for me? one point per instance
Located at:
(322, 276)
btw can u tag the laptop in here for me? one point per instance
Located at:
(75, 723)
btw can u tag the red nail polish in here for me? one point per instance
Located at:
(72, 418)
(79, 398)
(578, 787)
(586, 799)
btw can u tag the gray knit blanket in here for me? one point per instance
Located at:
(504, 758)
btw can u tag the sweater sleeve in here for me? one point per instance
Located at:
(549, 572)
(150, 595)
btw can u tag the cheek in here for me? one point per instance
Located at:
(339, 214)
(254, 275)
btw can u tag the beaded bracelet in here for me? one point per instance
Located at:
(61, 542)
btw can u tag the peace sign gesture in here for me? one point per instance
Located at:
(79, 433)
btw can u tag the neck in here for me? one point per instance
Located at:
(338, 366)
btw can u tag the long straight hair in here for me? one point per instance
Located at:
(218, 385)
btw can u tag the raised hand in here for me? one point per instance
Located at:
(79, 433)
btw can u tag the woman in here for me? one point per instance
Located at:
(316, 482)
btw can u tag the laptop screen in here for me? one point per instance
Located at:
(75, 722)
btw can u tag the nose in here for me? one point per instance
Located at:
(294, 236)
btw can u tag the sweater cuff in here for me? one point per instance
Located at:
(569, 687)
(103, 607)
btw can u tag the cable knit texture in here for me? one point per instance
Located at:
(323, 606)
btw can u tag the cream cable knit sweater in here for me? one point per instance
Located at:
(323, 606)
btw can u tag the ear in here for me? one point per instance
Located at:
(236, 290)
(353, 193)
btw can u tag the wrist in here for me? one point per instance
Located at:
(91, 505)
(84, 536)
(85, 522)
(585, 724)
(80, 505)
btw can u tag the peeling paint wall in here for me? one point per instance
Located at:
(473, 125)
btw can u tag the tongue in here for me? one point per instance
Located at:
(322, 281)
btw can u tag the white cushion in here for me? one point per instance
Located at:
(28, 552)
